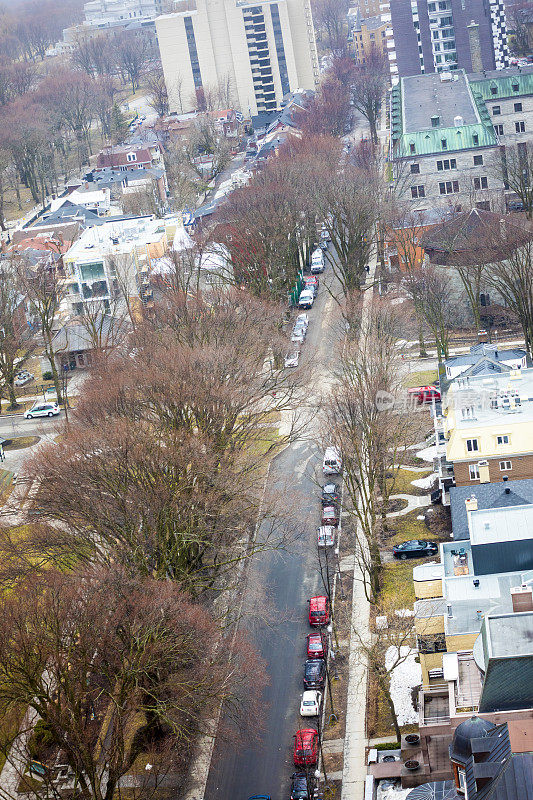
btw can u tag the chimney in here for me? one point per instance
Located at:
(475, 47)
(471, 503)
(505, 479)
(522, 598)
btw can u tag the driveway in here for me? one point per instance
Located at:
(288, 579)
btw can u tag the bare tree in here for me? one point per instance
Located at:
(115, 667)
(133, 55)
(512, 278)
(515, 169)
(369, 82)
(44, 288)
(14, 342)
(157, 92)
(435, 300)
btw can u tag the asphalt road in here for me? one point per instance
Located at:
(289, 578)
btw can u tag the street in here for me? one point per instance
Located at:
(288, 578)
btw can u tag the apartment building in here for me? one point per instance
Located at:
(99, 12)
(485, 430)
(258, 53)
(368, 33)
(113, 262)
(441, 35)
(449, 133)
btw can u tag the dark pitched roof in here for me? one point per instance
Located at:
(515, 781)
(488, 495)
(473, 237)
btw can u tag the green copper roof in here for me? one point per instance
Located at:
(523, 85)
(431, 141)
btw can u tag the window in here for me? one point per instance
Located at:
(475, 139)
(478, 161)
(449, 45)
(412, 148)
(481, 183)
(496, 110)
(483, 205)
(515, 87)
(520, 127)
(432, 6)
(444, 144)
(472, 445)
(505, 465)
(435, 34)
(448, 163)
(449, 187)
(503, 439)
(518, 106)
(499, 129)
(418, 191)
(468, 412)
(438, 59)
(473, 469)
(436, 48)
(494, 90)
(415, 169)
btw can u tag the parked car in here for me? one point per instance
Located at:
(260, 797)
(312, 282)
(303, 319)
(424, 394)
(23, 378)
(300, 786)
(332, 464)
(416, 548)
(326, 536)
(330, 516)
(316, 644)
(317, 261)
(292, 359)
(310, 703)
(319, 611)
(330, 494)
(306, 299)
(299, 332)
(305, 747)
(40, 409)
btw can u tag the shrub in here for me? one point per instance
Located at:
(386, 746)
(48, 376)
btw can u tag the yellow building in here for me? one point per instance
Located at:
(486, 427)
(369, 34)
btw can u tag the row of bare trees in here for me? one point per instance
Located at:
(115, 598)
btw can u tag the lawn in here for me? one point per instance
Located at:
(403, 478)
(402, 529)
(398, 589)
(425, 377)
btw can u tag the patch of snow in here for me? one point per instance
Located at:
(404, 612)
(428, 453)
(397, 300)
(392, 792)
(421, 516)
(425, 483)
(402, 680)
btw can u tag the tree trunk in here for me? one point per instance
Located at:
(422, 352)
(384, 686)
(12, 396)
(50, 355)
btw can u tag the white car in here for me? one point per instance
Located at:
(42, 410)
(298, 333)
(311, 702)
(326, 536)
(23, 378)
(307, 298)
(317, 261)
(332, 464)
(302, 319)
(292, 359)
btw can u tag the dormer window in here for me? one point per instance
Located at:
(515, 87)
(131, 157)
(475, 139)
(494, 90)
(412, 148)
(444, 144)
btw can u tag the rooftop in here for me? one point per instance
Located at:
(493, 352)
(488, 495)
(498, 398)
(509, 635)
(431, 114)
(501, 525)
(118, 236)
(501, 83)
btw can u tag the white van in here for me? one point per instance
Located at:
(317, 261)
(332, 464)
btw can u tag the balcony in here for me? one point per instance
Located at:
(468, 685)
(434, 705)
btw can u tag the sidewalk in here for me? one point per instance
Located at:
(354, 770)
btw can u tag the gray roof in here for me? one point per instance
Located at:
(426, 95)
(75, 338)
(489, 350)
(70, 212)
(488, 495)
(264, 120)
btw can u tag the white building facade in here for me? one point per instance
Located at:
(258, 52)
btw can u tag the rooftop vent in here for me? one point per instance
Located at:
(458, 121)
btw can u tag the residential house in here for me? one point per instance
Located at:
(485, 430)
(512, 358)
(128, 157)
(473, 620)
(74, 343)
(486, 496)
(448, 132)
(111, 263)
(368, 34)
(93, 199)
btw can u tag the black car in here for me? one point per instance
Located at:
(416, 548)
(330, 494)
(300, 784)
(314, 673)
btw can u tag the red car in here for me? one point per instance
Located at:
(311, 281)
(330, 516)
(318, 611)
(316, 645)
(305, 747)
(424, 394)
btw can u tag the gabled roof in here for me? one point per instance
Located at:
(511, 82)
(114, 158)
